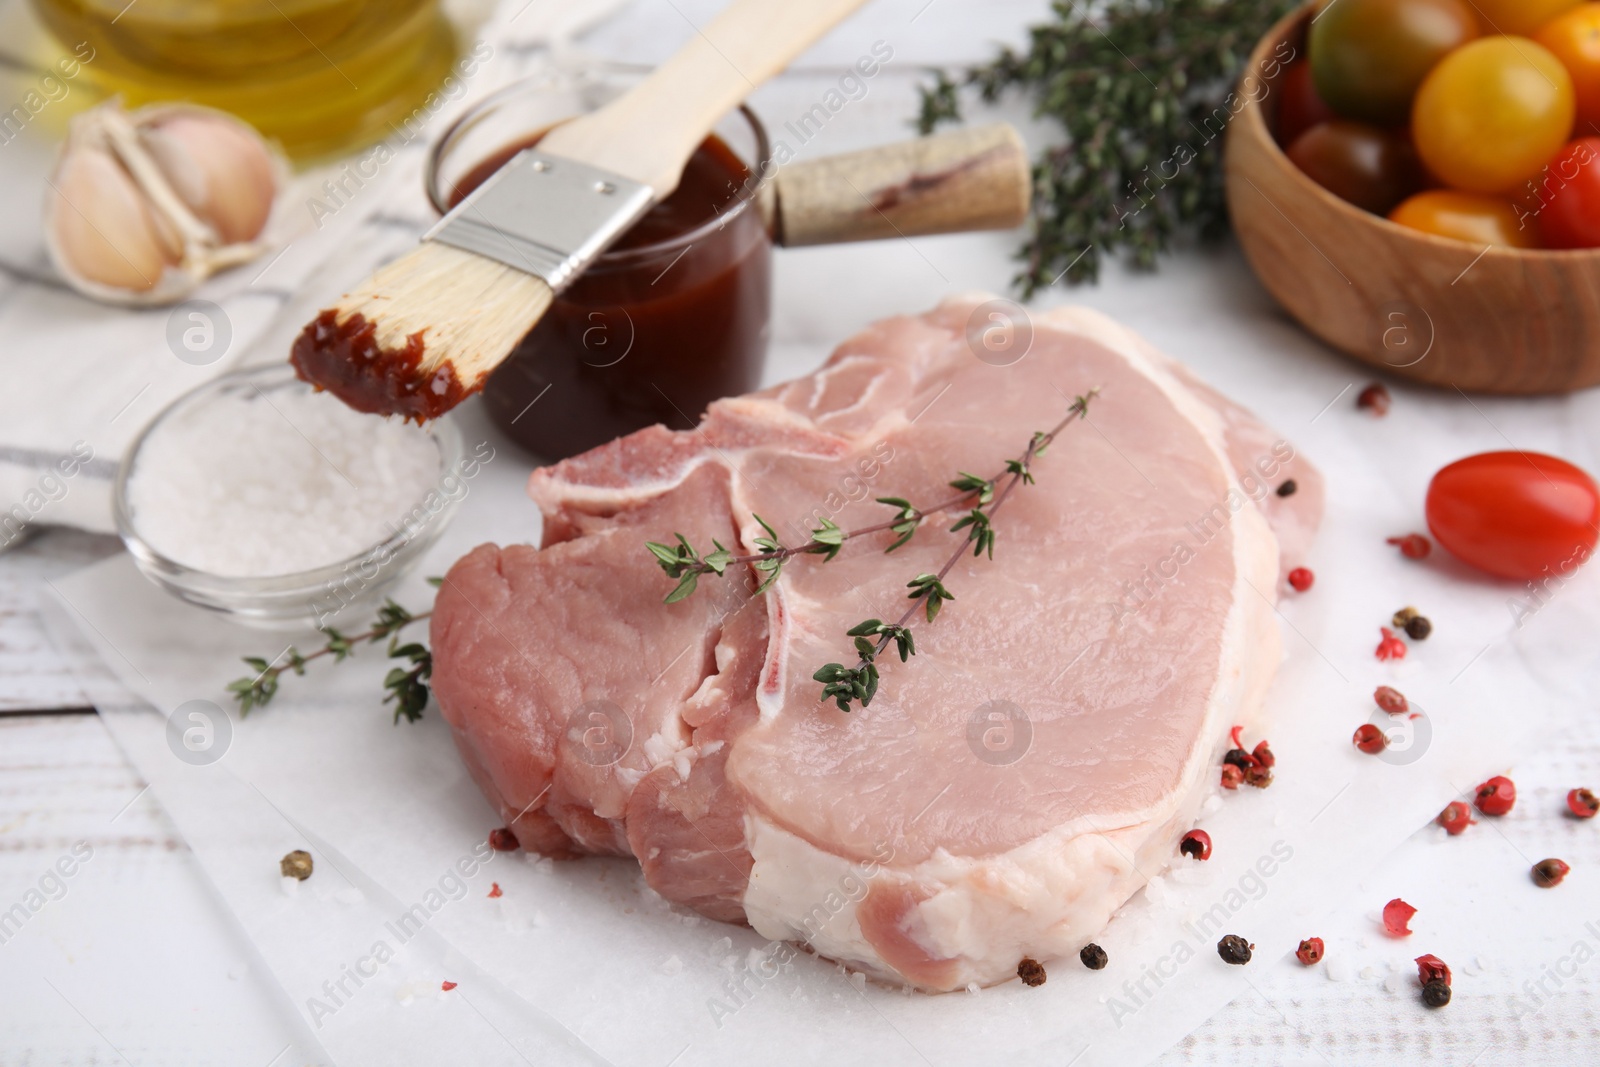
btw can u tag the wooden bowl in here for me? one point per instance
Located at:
(1436, 310)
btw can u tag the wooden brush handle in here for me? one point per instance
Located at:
(970, 179)
(649, 132)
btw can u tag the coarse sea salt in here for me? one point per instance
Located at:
(261, 483)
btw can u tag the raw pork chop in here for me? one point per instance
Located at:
(1055, 733)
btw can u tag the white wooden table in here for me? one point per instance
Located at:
(136, 962)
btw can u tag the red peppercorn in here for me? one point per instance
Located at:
(1391, 700)
(503, 840)
(1391, 647)
(1310, 951)
(1496, 796)
(1374, 398)
(1301, 578)
(1456, 817)
(1547, 874)
(1196, 844)
(1583, 803)
(1413, 545)
(494, 890)
(1369, 739)
(1431, 968)
(1397, 918)
(1263, 755)
(447, 986)
(1231, 776)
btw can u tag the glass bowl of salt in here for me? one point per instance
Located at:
(260, 498)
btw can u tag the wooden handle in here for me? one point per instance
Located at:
(971, 179)
(649, 132)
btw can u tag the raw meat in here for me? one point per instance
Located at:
(1051, 740)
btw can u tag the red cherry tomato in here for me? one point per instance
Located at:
(1299, 106)
(1515, 514)
(1570, 190)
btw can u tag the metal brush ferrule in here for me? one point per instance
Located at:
(544, 215)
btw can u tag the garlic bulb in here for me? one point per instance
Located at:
(145, 205)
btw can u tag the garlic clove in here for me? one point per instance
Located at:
(219, 167)
(100, 225)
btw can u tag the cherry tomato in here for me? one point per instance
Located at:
(1369, 56)
(1574, 38)
(1474, 217)
(1492, 113)
(1373, 169)
(1515, 514)
(1519, 16)
(1567, 198)
(1299, 106)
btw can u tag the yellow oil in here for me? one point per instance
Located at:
(322, 77)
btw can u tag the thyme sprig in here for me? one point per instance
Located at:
(982, 497)
(407, 687)
(1142, 91)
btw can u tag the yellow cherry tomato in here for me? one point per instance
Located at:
(1574, 38)
(1492, 114)
(1519, 16)
(1474, 217)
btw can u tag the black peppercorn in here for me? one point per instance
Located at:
(296, 864)
(1093, 957)
(1239, 758)
(1288, 488)
(1436, 994)
(1234, 949)
(1031, 971)
(1418, 628)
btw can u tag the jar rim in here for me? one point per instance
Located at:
(748, 193)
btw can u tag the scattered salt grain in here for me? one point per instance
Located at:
(1336, 968)
(1392, 983)
(673, 965)
(974, 988)
(253, 483)
(349, 895)
(720, 946)
(290, 886)
(859, 980)
(1212, 805)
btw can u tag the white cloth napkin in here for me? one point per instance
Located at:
(83, 378)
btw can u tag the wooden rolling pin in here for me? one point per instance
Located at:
(969, 179)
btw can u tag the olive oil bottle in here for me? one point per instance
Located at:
(320, 76)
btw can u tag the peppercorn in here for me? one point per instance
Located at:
(1196, 844)
(1413, 545)
(1234, 949)
(1031, 971)
(1436, 994)
(1403, 616)
(503, 840)
(1237, 757)
(1260, 777)
(1583, 803)
(1310, 951)
(1496, 796)
(1456, 817)
(296, 864)
(1419, 628)
(1288, 488)
(1374, 398)
(1231, 776)
(1547, 874)
(1301, 579)
(1391, 700)
(1431, 968)
(1093, 956)
(1391, 647)
(1263, 755)
(1369, 739)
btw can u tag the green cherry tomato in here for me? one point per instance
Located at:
(1369, 56)
(1373, 169)
(1519, 515)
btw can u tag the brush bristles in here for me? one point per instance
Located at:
(471, 311)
